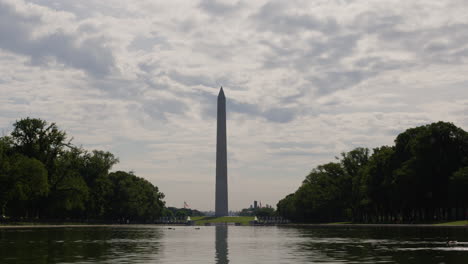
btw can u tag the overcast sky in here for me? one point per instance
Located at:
(304, 81)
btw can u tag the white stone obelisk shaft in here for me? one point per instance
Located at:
(221, 207)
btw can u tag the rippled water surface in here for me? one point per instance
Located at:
(233, 244)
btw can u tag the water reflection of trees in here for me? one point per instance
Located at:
(85, 244)
(380, 244)
(221, 245)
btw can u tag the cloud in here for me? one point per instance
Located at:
(304, 81)
(333, 81)
(17, 31)
(159, 108)
(280, 115)
(279, 17)
(440, 43)
(148, 43)
(219, 8)
(191, 80)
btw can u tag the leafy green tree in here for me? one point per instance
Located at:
(180, 212)
(265, 212)
(166, 212)
(422, 178)
(378, 185)
(429, 155)
(37, 139)
(319, 198)
(286, 207)
(354, 160)
(353, 163)
(22, 180)
(68, 189)
(95, 169)
(134, 198)
(6, 183)
(458, 194)
(42, 175)
(29, 178)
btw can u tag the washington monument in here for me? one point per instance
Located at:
(221, 207)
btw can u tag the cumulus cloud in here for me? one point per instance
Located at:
(17, 31)
(281, 17)
(304, 81)
(219, 8)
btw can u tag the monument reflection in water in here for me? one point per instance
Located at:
(247, 244)
(221, 245)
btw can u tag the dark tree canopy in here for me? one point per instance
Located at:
(44, 176)
(424, 177)
(181, 212)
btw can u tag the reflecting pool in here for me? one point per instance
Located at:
(233, 244)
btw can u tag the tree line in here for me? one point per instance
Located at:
(181, 212)
(43, 176)
(422, 178)
(267, 211)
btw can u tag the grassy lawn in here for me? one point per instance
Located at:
(196, 218)
(244, 220)
(456, 223)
